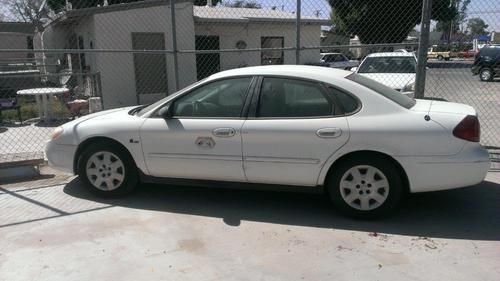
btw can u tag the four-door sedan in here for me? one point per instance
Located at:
(364, 143)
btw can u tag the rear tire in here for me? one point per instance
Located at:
(365, 188)
(486, 75)
(107, 170)
(440, 58)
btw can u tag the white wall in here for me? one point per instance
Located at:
(231, 33)
(114, 30)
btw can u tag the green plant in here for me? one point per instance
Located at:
(29, 110)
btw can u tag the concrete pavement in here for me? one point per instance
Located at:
(53, 229)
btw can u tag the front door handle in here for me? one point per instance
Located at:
(224, 132)
(329, 132)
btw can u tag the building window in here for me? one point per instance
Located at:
(272, 56)
(29, 44)
(208, 63)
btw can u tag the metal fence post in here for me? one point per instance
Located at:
(297, 28)
(174, 45)
(422, 49)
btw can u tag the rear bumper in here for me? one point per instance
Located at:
(467, 168)
(60, 156)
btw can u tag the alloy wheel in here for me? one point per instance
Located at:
(105, 170)
(364, 187)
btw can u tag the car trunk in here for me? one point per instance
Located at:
(432, 106)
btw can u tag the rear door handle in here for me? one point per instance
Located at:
(329, 132)
(224, 132)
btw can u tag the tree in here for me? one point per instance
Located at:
(244, 4)
(31, 11)
(454, 25)
(384, 21)
(477, 26)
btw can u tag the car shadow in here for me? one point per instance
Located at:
(468, 213)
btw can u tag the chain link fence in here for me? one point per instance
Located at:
(77, 57)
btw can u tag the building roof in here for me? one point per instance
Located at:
(217, 14)
(17, 27)
(75, 14)
(229, 14)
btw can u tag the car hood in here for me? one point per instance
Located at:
(443, 107)
(107, 114)
(394, 80)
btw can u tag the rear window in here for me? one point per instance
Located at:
(388, 65)
(383, 90)
(489, 51)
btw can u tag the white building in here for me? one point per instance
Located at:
(131, 78)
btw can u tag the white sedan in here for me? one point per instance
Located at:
(365, 144)
(396, 70)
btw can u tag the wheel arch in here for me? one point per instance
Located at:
(369, 153)
(83, 145)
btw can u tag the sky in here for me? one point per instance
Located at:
(488, 10)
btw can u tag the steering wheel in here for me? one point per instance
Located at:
(198, 108)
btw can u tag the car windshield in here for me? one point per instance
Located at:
(333, 58)
(388, 65)
(147, 108)
(383, 90)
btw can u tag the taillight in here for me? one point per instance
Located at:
(468, 129)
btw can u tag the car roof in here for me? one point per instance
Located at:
(299, 71)
(391, 54)
(331, 54)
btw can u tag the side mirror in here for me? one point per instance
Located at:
(166, 112)
(353, 69)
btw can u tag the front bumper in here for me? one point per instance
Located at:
(475, 69)
(467, 168)
(60, 156)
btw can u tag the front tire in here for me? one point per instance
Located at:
(486, 75)
(440, 58)
(107, 170)
(365, 188)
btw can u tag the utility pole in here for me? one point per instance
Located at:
(174, 44)
(422, 49)
(297, 26)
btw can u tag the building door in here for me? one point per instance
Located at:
(207, 64)
(150, 68)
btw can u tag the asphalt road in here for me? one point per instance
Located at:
(454, 82)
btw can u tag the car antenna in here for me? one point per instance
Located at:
(427, 117)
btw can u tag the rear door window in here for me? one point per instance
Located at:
(285, 97)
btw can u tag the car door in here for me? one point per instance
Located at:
(202, 138)
(292, 129)
(342, 61)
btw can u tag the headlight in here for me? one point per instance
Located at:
(57, 133)
(410, 87)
